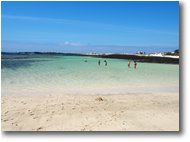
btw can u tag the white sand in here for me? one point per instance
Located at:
(158, 112)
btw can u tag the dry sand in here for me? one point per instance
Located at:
(145, 112)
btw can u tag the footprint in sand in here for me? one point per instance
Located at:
(31, 114)
(5, 120)
(24, 103)
(40, 128)
(99, 99)
(6, 112)
(35, 117)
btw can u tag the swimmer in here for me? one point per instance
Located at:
(135, 64)
(99, 62)
(129, 63)
(105, 62)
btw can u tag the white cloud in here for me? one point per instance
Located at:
(75, 44)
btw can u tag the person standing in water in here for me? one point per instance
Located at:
(99, 62)
(129, 63)
(105, 62)
(135, 64)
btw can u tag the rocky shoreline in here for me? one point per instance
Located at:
(138, 58)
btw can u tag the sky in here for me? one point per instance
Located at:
(83, 27)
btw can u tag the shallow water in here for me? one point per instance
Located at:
(59, 74)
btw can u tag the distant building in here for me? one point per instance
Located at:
(140, 52)
(92, 53)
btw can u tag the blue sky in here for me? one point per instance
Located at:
(115, 27)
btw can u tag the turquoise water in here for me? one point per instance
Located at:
(58, 74)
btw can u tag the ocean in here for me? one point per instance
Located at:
(51, 74)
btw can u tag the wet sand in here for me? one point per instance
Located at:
(132, 112)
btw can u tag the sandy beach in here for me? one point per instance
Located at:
(109, 70)
(131, 112)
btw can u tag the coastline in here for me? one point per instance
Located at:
(139, 58)
(143, 58)
(141, 112)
